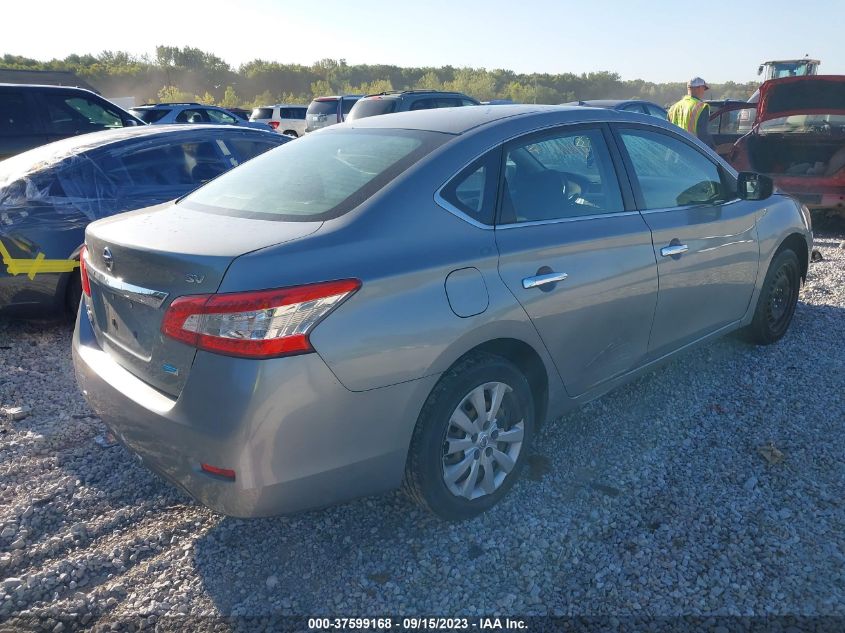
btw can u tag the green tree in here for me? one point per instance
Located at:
(172, 94)
(230, 98)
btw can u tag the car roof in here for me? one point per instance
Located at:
(47, 87)
(460, 120)
(94, 140)
(335, 97)
(610, 103)
(401, 93)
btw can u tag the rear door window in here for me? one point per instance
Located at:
(424, 104)
(218, 116)
(15, 116)
(565, 174)
(192, 115)
(152, 115)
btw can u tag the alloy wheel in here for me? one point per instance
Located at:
(483, 441)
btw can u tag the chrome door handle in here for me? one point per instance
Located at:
(542, 280)
(674, 249)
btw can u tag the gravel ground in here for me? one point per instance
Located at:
(655, 499)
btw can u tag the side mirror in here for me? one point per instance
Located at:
(751, 186)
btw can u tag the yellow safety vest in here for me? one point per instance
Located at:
(685, 113)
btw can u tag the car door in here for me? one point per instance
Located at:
(71, 113)
(20, 125)
(705, 238)
(575, 253)
(728, 124)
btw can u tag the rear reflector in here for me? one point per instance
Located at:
(259, 324)
(222, 472)
(83, 271)
(274, 124)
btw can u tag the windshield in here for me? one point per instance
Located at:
(372, 107)
(828, 124)
(318, 177)
(262, 113)
(323, 107)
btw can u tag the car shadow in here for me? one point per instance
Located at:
(381, 551)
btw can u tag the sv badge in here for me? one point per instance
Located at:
(193, 278)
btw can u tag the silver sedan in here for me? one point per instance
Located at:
(403, 300)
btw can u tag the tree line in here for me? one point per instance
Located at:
(191, 74)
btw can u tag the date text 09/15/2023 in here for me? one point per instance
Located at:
(416, 624)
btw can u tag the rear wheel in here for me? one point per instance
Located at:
(471, 439)
(291, 133)
(777, 301)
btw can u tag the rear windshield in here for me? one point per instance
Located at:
(323, 107)
(150, 116)
(318, 177)
(262, 113)
(828, 125)
(372, 107)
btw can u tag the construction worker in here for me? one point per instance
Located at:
(692, 113)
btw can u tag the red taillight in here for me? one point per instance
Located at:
(83, 272)
(260, 324)
(222, 472)
(274, 124)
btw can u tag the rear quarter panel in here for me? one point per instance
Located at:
(399, 326)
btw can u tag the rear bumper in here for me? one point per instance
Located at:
(295, 437)
(815, 194)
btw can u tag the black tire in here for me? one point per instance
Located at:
(73, 295)
(291, 133)
(424, 471)
(777, 301)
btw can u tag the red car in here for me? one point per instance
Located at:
(795, 133)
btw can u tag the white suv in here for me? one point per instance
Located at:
(284, 118)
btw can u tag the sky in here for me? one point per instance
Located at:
(656, 41)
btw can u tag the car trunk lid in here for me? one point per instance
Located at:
(791, 96)
(138, 263)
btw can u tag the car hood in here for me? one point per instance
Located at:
(818, 94)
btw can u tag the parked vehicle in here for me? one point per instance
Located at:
(166, 113)
(240, 113)
(403, 100)
(409, 297)
(326, 111)
(284, 118)
(49, 194)
(780, 68)
(797, 137)
(35, 115)
(624, 105)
